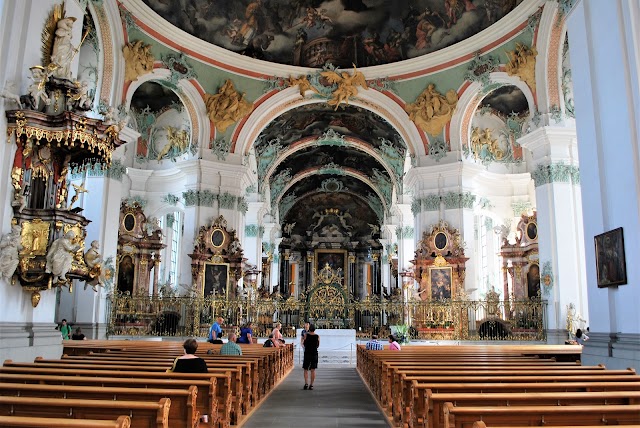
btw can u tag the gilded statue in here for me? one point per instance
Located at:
(227, 106)
(178, 142)
(10, 247)
(347, 85)
(138, 60)
(94, 262)
(79, 188)
(484, 146)
(302, 83)
(60, 256)
(522, 63)
(432, 111)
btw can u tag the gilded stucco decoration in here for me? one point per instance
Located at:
(432, 111)
(177, 144)
(303, 84)
(484, 145)
(227, 106)
(522, 63)
(347, 85)
(138, 60)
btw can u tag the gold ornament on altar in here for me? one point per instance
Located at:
(522, 63)
(138, 60)
(347, 85)
(302, 83)
(432, 111)
(227, 106)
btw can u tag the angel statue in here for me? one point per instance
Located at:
(178, 140)
(10, 247)
(94, 262)
(302, 83)
(347, 85)
(60, 256)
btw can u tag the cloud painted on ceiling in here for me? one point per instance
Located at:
(312, 33)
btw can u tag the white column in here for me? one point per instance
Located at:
(605, 59)
(559, 215)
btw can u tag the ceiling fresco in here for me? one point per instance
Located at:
(154, 95)
(507, 100)
(312, 33)
(316, 119)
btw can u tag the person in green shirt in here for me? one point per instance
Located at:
(65, 330)
(231, 347)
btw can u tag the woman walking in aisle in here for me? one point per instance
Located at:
(311, 344)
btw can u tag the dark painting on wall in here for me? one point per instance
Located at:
(335, 259)
(611, 266)
(216, 279)
(440, 278)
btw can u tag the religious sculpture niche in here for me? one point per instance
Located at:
(440, 264)
(217, 261)
(53, 139)
(431, 111)
(227, 106)
(521, 260)
(139, 247)
(522, 63)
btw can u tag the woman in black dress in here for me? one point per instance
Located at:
(311, 344)
(189, 363)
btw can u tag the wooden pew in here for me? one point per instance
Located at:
(464, 417)
(237, 372)
(401, 395)
(142, 414)
(207, 400)
(399, 392)
(30, 422)
(481, 424)
(435, 402)
(183, 411)
(420, 391)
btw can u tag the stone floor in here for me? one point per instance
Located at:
(339, 399)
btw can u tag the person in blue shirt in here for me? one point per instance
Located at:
(215, 332)
(374, 345)
(246, 333)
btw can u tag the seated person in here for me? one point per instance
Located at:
(189, 363)
(78, 335)
(269, 342)
(246, 334)
(231, 347)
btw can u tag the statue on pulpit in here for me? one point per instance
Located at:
(60, 256)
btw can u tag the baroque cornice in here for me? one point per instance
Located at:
(486, 40)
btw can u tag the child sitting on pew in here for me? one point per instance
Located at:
(189, 363)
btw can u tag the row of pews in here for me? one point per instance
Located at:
(505, 386)
(96, 381)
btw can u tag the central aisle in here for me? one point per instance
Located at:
(339, 399)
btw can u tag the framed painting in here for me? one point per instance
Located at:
(440, 282)
(611, 266)
(215, 280)
(336, 259)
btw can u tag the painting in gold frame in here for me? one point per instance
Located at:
(440, 283)
(336, 259)
(215, 280)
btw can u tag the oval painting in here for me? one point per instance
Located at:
(440, 241)
(129, 222)
(217, 238)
